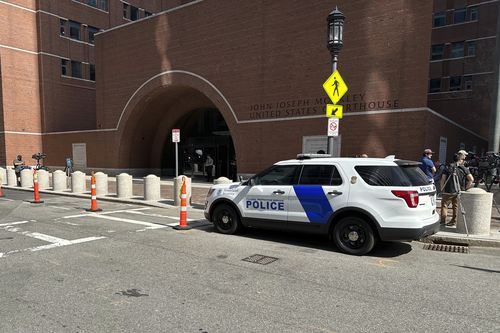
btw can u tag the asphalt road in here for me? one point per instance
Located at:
(127, 270)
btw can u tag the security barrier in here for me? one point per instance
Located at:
(78, 182)
(151, 188)
(43, 179)
(26, 178)
(59, 181)
(124, 185)
(11, 177)
(101, 184)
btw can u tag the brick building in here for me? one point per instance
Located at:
(242, 80)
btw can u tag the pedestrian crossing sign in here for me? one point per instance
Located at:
(335, 87)
(334, 111)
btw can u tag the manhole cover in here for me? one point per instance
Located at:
(260, 259)
(447, 248)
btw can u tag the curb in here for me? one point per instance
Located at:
(461, 239)
(101, 198)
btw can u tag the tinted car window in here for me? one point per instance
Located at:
(386, 175)
(277, 175)
(416, 176)
(316, 175)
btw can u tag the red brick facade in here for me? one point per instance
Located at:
(261, 64)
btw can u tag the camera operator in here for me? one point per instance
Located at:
(448, 188)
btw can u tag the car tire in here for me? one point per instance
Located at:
(226, 220)
(353, 235)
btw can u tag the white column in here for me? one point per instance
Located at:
(124, 186)
(11, 177)
(43, 179)
(151, 188)
(3, 176)
(59, 181)
(78, 182)
(26, 178)
(101, 184)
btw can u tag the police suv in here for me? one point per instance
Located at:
(356, 201)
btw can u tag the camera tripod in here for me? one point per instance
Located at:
(456, 183)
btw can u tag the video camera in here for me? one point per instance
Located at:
(38, 156)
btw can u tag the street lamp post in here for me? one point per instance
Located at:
(335, 33)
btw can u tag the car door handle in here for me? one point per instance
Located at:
(279, 192)
(335, 192)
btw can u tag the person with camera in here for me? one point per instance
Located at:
(455, 178)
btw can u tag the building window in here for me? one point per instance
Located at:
(74, 30)
(459, 15)
(434, 85)
(126, 9)
(468, 82)
(457, 50)
(92, 72)
(92, 3)
(473, 13)
(103, 4)
(64, 67)
(439, 19)
(134, 13)
(92, 31)
(76, 69)
(455, 83)
(437, 51)
(62, 27)
(471, 48)
(147, 14)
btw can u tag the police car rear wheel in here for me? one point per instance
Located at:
(354, 235)
(226, 220)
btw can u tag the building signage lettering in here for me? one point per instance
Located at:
(316, 106)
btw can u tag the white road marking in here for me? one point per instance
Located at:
(51, 246)
(63, 208)
(5, 199)
(105, 213)
(113, 218)
(158, 215)
(15, 223)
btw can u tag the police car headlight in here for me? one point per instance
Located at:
(210, 192)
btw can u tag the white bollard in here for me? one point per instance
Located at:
(151, 188)
(177, 190)
(11, 177)
(78, 182)
(124, 186)
(477, 205)
(59, 181)
(3, 176)
(223, 180)
(43, 180)
(26, 178)
(101, 184)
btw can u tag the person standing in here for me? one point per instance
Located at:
(18, 166)
(209, 165)
(450, 190)
(427, 165)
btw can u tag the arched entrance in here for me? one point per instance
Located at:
(145, 142)
(204, 132)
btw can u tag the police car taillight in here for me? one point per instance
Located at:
(410, 197)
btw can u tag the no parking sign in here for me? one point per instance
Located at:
(333, 127)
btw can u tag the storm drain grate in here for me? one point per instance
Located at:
(260, 259)
(447, 248)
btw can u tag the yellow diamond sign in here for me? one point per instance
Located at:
(334, 111)
(335, 87)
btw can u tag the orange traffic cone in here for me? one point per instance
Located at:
(183, 216)
(93, 196)
(35, 189)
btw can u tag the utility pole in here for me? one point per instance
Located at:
(494, 139)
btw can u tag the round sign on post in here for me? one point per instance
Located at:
(176, 135)
(333, 126)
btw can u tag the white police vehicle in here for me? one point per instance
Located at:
(356, 201)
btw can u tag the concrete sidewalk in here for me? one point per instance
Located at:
(450, 235)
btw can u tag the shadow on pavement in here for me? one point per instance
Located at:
(318, 242)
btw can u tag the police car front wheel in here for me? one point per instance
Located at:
(353, 235)
(226, 220)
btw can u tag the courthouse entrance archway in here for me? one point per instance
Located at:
(146, 142)
(203, 132)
